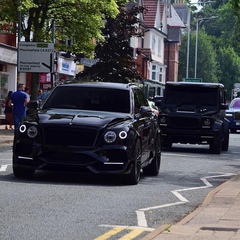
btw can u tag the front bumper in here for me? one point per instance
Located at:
(189, 136)
(107, 159)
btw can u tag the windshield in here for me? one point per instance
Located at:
(191, 96)
(85, 98)
(235, 103)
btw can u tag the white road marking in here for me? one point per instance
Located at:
(142, 222)
(3, 168)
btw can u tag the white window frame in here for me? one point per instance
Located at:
(159, 46)
(153, 42)
(157, 73)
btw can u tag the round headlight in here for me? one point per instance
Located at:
(22, 128)
(163, 120)
(32, 132)
(110, 137)
(122, 134)
(207, 122)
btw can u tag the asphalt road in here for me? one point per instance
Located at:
(72, 206)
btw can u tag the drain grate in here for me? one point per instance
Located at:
(220, 229)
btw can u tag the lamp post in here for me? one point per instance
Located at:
(189, 27)
(196, 45)
(188, 42)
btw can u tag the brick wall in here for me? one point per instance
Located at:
(8, 39)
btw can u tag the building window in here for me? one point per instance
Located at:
(159, 46)
(153, 43)
(157, 73)
(154, 72)
(160, 74)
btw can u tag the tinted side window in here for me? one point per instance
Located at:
(139, 99)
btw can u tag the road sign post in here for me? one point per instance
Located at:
(36, 57)
(192, 80)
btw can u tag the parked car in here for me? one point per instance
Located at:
(233, 115)
(194, 113)
(103, 128)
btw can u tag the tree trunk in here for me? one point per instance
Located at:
(34, 86)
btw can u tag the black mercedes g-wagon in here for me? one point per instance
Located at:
(194, 113)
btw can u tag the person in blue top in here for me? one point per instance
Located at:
(19, 100)
(44, 94)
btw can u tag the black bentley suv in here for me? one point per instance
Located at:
(103, 128)
(194, 113)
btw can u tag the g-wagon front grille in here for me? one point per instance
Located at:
(184, 122)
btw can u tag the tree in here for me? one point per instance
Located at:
(235, 6)
(79, 21)
(206, 58)
(229, 62)
(115, 56)
(223, 27)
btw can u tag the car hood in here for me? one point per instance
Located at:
(78, 117)
(233, 110)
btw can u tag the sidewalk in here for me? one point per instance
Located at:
(6, 136)
(218, 218)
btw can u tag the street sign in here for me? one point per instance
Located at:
(35, 57)
(192, 80)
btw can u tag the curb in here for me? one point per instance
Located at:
(206, 201)
(192, 214)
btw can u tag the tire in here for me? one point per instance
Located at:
(216, 147)
(21, 172)
(134, 176)
(225, 143)
(153, 168)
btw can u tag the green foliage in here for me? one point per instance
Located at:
(79, 21)
(229, 63)
(206, 58)
(221, 27)
(114, 53)
(218, 47)
(235, 6)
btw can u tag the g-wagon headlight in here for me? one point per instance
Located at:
(163, 119)
(110, 137)
(207, 122)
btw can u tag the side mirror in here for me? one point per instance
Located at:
(158, 101)
(224, 106)
(145, 111)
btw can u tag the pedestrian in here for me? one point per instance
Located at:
(27, 90)
(8, 112)
(19, 99)
(45, 94)
(39, 93)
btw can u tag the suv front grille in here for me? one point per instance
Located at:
(79, 137)
(184, 122)
(237, 116)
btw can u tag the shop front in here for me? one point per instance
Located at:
(8, 72)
